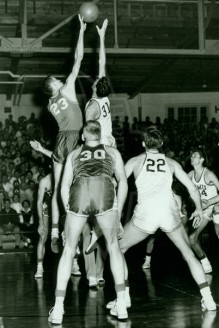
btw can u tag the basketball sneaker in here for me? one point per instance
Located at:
(119, 309)
(39, 273)
(147, 263)
(206, 265)
(111, 304)
(55, 240)
(75, 270)
(56, 315)
(101, 282)
(92, 281)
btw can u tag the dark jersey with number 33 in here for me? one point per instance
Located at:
(93, 161)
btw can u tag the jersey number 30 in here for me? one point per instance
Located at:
(155, 166)
(87, 154)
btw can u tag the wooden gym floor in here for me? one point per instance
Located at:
(164, 296)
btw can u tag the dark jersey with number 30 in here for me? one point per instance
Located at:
(93, 161)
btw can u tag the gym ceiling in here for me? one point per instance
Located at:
(152, 46)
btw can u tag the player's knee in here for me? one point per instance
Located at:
(43, 237)
(69, 251)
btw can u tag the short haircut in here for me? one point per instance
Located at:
(201, 153)
(102, 87)
(92, 130)
(152, 138)
(46, 85)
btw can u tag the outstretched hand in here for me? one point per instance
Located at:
(83, 24)
(36, 145)
(197, 217)
(101, 31)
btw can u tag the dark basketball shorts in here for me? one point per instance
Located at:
(92, 196)
(66, 141)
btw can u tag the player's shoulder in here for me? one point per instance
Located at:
(209, 173)
(136, 159)
(112, 150)
(173, 162)
(190, 174)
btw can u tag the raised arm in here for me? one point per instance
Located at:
(102, 54)
(69, 87)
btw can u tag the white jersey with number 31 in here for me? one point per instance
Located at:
(105, 119)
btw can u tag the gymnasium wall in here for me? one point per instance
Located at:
(151, 105)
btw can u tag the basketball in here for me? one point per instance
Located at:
(89, 11)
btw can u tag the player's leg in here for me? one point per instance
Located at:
(196, 246)
(95, 235)
(131, 237)
(180, 238)
(109, 224)
(57, 171)
(100, 256)
(216, 219)
(149, 249)
(41, 246)
(89, 259)
(74, 225)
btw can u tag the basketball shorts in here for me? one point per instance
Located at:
(66, 141)
(157, 213)
(92, 196)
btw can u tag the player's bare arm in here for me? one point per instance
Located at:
(36, 145)
(119, 170)
(69, 88)
(134, 165)
(211, 178)
(182, 176)
(92, 111)
(102, 55)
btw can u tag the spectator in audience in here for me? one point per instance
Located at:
(6, 186)
(9, 223)
(16, 204)
(29, 192)
(27, 223)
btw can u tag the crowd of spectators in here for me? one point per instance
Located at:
(21, 167)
